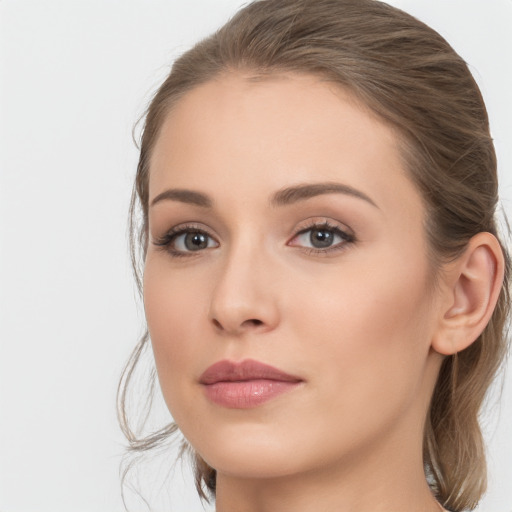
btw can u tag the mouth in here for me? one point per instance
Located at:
(245, 384)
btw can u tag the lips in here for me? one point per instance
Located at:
(245, 384)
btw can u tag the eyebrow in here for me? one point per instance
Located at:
(297, 193)
(184, 196)
(284, 197)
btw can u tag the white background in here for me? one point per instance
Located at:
(74, 77)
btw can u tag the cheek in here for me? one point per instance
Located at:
(173, 308)
(368, 332)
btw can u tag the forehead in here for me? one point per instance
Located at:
(236, 134)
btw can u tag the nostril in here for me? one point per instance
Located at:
(252, 322)
(236, 326)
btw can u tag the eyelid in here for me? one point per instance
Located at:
(327, 222)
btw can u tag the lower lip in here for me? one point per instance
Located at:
(246, 394)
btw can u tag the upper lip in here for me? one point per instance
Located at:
(248, 369)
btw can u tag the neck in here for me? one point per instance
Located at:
(324, 492)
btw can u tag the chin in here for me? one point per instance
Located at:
(248, 452)
(255, 463)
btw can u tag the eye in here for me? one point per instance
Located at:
(192, 241)
(322, 238)
(182, 241)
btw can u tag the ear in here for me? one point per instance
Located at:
(470, 290)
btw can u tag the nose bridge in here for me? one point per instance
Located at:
(243, 297)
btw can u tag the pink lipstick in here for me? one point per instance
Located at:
(245, 384)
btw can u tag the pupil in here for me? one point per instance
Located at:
(321, 238)
(195, 241)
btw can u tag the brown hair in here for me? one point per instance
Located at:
(409, 76)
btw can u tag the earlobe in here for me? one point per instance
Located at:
(472, 285)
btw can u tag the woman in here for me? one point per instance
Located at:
(325, 288)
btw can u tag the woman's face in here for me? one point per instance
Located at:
(284, 231)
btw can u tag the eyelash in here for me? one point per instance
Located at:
(165, 242)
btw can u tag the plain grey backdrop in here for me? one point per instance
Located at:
(75, 75)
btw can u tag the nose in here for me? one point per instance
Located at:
(244, 298)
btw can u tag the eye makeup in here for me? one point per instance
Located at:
(317, 237)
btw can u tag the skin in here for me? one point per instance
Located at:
(358, 323)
